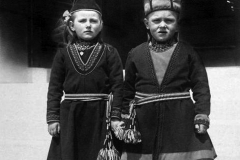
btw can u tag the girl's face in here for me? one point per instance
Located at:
(87, 24)
(162, 24)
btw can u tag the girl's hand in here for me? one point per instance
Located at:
(54, 129)
(201, 128)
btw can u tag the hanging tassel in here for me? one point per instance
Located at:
(131, 134)
(108, 152)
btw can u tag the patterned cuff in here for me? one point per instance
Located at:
(202, 119)
(53, 118)
(116, 114)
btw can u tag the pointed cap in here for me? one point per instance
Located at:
(85, 5)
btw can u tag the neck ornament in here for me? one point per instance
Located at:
(83, 46)
(161, 47)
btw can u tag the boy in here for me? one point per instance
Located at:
(159, 74)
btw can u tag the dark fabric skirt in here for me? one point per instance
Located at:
(168, 133)
(83, 131)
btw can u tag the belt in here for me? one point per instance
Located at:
(144, 98)
(87, 97)
(93, 97)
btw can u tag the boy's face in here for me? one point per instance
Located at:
(162, 24)
(87, 24)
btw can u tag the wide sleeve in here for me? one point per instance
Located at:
(115, 71)
(129, 83)
(200, 88)
(55, 89)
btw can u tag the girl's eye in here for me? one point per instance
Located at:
(82, 21)
(93, 21)
(156, 21)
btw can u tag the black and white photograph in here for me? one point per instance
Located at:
(119, 79)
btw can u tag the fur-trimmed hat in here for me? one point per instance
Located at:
(155, 5)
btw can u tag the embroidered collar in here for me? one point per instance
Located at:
(94, 58)
(161, 47)
(83, 46)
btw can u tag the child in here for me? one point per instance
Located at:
(87, 70)
(159, 75)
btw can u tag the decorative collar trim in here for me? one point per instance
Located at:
(161, 47)
(93, 60)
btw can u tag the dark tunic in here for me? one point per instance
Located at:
(83, 124)
(167, 127)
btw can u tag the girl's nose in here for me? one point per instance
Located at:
(88, 24)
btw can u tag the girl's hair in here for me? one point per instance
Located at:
(62, 34)
(68, 35)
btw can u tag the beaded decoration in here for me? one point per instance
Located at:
(161, 47)
(83, 46)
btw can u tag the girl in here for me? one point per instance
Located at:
(86, 71)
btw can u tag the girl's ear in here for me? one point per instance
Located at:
(101, 25)
(146, 22)
(71, 25)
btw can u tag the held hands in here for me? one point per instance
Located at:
(117, 127)
(54, 129)
(201, 128)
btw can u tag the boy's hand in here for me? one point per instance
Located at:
(201, 128)
(54, 129)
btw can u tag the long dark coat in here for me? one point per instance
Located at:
(83, 124)
(167, 128)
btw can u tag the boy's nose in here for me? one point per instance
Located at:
(162, 25)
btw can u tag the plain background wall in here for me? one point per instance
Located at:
(23, 129)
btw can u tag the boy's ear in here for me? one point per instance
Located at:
(146, 22)
(71, 25)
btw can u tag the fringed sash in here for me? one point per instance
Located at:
(144, 98)
(108, 152)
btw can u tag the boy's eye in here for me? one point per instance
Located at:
(169, 20)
